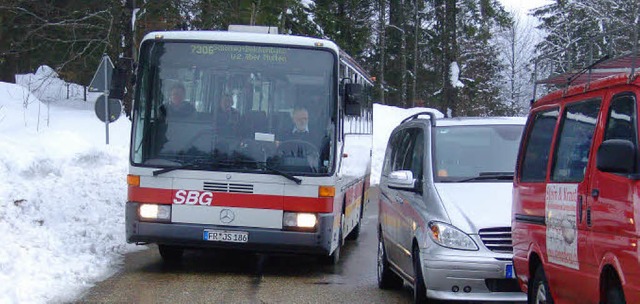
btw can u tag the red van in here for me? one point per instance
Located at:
(576, 197)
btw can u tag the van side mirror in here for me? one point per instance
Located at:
(402, 180)
(616, 156)
(352, 98)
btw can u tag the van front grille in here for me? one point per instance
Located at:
(497, 239)
(227, 187)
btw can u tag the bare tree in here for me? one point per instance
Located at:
(63, 36)
(517, 44)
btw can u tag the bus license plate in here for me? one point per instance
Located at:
(508, 272)
(226, 236)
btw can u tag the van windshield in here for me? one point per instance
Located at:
(475, 153)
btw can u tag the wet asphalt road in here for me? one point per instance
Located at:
(232, 277)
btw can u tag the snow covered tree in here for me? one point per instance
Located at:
(347, 22)
(291, 17)
(479, 81)
(517, 50)
(462, 64)
(581, 31)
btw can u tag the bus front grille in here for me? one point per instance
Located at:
(497, 239)
(227, 187)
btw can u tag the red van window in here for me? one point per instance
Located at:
(622, 119)
(538, 144)
(574, 144)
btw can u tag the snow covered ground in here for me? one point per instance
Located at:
(63, 190)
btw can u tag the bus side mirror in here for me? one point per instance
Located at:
(119, 77)
(616, 156)
(352, 98)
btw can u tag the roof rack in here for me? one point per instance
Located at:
(432, 117)
(606, 66)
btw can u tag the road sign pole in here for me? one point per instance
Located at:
(106, 96)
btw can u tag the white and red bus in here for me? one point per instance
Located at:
(206, 176)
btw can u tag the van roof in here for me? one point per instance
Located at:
(606, 82)
(474, 121)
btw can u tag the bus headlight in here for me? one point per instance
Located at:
(154, 212)
(299, 220)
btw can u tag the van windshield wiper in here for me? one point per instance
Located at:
(199, 164)
(488, 176)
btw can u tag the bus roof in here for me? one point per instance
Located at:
(242, 37)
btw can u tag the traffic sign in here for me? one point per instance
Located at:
(115, 109)
(99, 82)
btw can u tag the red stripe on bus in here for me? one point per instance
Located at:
(149, 195)
(241, 200)
(308, 204)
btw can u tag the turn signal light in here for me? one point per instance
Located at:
(133, 180)
(327, 191)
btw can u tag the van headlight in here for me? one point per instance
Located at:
(451, 237)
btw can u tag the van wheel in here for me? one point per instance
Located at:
(387, 279)
(171, 254)
(419, 288)
(540, 293)
(615, 295)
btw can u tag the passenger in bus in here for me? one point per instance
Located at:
(227, 117)
(178, 107)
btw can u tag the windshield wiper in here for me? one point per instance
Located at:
(193, 165)
(488, 176)
(264, 166)
(284, 174)
(211, 163)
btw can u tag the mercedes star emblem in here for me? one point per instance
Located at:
(227, 216)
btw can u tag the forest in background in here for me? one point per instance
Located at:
(463, 57)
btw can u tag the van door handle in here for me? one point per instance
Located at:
(399, 199)
(580, 207)
(595, 193)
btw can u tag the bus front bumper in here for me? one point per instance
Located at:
(260, 239)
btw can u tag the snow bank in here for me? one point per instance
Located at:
(46, 85)
(385, 119)
(62, 195)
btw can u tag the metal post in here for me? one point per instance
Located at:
(535, 79)
(590, 61)
(106, 97)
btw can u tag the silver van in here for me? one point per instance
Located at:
(445, 208)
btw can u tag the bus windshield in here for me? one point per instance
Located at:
(232, 107)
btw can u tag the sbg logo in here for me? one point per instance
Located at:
(193, 198)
